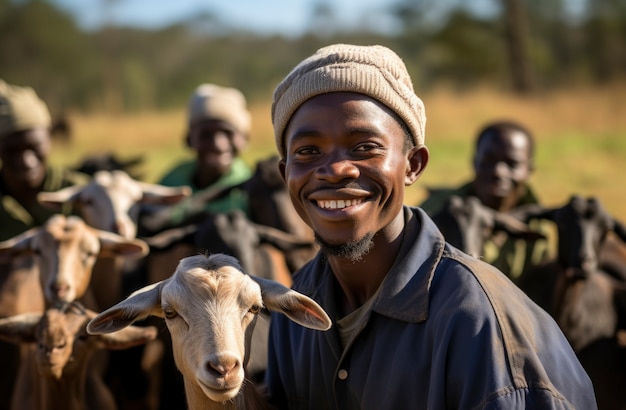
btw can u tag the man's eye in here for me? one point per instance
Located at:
(306, 151)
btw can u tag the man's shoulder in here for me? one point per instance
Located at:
(178, 175)
(58, 177)
(437, 196)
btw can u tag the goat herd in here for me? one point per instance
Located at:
(90, 346)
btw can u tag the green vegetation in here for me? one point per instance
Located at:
(125, 89)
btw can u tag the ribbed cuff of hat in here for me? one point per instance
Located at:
(375, 71)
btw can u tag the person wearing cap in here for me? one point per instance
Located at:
(219, 125)
(25, 146)
(503, 164)
(416, 323)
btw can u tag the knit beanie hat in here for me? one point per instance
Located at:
(212, 102)
(375, 71)
(21, 110)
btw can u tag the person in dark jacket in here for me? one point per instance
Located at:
(417, 324)
(503, 163)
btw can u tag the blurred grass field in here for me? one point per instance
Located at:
(580, 136)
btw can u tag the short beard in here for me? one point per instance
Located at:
(354, 251)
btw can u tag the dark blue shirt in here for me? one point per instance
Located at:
(446, 331)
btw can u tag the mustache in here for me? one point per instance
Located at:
(342, 185)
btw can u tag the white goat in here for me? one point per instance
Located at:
(111, 200)
(208, 304)
(55, 373)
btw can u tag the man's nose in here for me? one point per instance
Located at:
(501, 169)
(338, 168)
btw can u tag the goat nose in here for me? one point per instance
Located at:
(222, 365)
(60, 289)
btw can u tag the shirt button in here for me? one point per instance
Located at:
(342, 374)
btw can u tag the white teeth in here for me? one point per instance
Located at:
(338, 204)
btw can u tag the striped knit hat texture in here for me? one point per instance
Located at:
(375, 71)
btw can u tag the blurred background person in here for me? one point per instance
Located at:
(503, 164)
(219, 126)
(25, 146)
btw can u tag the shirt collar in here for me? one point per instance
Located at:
(404, 293)
(405, 290)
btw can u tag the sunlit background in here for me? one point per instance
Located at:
(121, 71)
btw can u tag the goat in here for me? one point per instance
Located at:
(269, 205)
(54, 262)
(55, 373)
(588, 303)
(261, 251)
(466, 224)
(208, 305)
(66, 249)
(111, 200)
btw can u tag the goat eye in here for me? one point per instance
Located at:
(254, 309)
(169, 313)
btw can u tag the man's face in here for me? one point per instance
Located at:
(345, 167)
(216, 143)
(24, 156)
(502, 166)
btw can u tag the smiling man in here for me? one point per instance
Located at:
(416, 323)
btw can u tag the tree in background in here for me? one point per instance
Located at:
(513, 44)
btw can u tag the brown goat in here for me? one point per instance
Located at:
(66, 249)
(208, 305)
(54, 374)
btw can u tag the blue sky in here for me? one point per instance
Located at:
(265, 16)
(290, 17)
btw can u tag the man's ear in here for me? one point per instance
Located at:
(417, 159)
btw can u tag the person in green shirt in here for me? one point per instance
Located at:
(218, 130)
(503, 164)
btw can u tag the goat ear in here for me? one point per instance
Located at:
(139, 305)
(56, 200)
(18, 245)
(155, 194)
(113, 244)
(130, 336)
(20, 328)
(296, 306)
